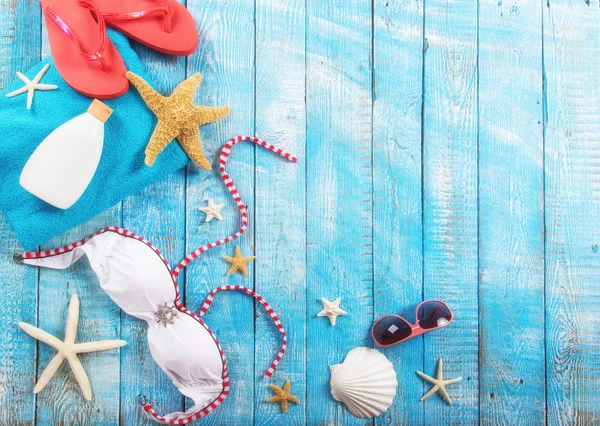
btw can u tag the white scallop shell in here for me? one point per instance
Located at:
(365, 382)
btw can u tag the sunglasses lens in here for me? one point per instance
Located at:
(390, 330)
(433, 315)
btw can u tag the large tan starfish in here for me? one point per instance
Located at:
(178, 118)
(283, 396)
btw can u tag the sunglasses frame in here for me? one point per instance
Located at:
(415, 329)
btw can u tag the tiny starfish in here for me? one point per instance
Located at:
(331, 309)
(178, 118)
(283, 396)
(439, 383)
(238, 263)
(32, 85)
(68, 350)
(213, 211)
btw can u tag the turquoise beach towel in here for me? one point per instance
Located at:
(121, 172)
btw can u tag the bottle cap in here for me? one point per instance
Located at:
(100, 110)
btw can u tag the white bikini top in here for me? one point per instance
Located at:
(140, 281)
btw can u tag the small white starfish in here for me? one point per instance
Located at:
(32, 85)
(213, 211)
(439, 383)
(68, 350)
(331, 309)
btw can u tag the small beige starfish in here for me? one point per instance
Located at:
(178, 118)
(32, 85)
(331, 309)
(68, 350)
(283, 396)
(439, 383)
(238, 263)
(212, 210)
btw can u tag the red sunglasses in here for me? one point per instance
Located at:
(393, 329)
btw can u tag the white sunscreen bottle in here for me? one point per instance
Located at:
(63, 165)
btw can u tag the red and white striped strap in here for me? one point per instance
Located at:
(190, 417)
(263, 302)
(234, 193)
(148, 408)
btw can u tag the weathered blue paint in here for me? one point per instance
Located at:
(397, 172)
(339, 235)
(158, 215)
(227, 65)
(19, 49)
(450, 201)
(61, 401)
(280, 218)
(437, 141)
(511, 214)
(572, 128)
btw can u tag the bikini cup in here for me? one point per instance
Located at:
(140, 281)
(137, 279)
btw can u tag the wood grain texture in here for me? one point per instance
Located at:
(19, 50)
(157, 214)
(280, 226)
(339, 261)
(397, 168)
(20, 33)
(571, 60)
(436, 142)
(511, 214)
(18, 353)
(61, 402)
(225, 57)
(450, 201)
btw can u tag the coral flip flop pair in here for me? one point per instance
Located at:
(86, 58)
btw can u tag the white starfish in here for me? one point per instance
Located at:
(331, 309)
(32, 85)
(213, 211)
(68, 350)
(439, 383)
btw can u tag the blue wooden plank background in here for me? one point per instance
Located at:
(447, 149)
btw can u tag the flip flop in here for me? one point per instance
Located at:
(84, 56)
(162, 25)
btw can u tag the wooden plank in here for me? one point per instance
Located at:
(450, 201)
(572, 160)
(157, 214)
(18, 355)
(511, 214)
(225, 57)
(280, 204)
(339, 193)
(19, 50)
(20, 29)
(61, 400)
(397, 239)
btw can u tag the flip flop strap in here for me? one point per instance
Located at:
(98, 54)
(130, 16)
